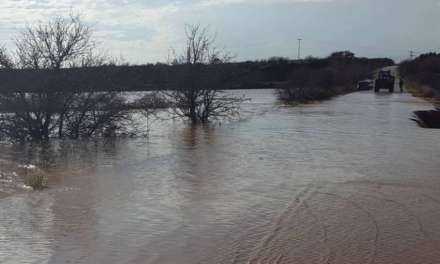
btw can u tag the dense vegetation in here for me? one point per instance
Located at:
(423, 74)
(340, 68)
(271, 73)
(318, 79)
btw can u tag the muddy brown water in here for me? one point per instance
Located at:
(350, 180)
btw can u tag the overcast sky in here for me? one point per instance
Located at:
(144, 30)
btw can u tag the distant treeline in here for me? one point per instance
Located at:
(339, 69)
(423, 74)
(319, 79)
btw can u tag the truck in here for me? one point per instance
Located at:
(385, 80)
(365, 85)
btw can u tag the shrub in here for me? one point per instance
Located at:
(423, 73)
(34, 177)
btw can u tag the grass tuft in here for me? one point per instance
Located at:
(36, 179)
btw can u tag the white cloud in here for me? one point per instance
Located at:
(108, 17)
(207, 3)
(144, 30)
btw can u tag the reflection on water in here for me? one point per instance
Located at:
(351, 180)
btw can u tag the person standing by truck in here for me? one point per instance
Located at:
(401, 83)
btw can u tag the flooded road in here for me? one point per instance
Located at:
(350, 180)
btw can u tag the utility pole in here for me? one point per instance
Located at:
(299, 48)
(412, 54)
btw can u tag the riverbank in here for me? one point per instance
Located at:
(426, 118)
(422, 75)
(422, 79)
(423, 91)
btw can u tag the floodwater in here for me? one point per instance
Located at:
(350, 180)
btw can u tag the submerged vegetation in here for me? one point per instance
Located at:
(51, 111)
(15, 177)
(58, 86)
(199, 95)
(36, 179)
(54, 103)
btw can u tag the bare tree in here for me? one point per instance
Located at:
(52, 110)
(55, 44)
(95, 113)
(5, 60)
(199, 95)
